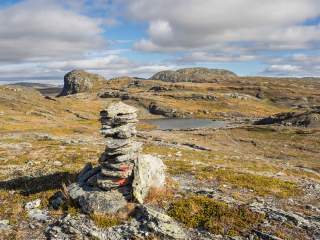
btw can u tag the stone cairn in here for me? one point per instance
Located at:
(123, 174)
(117, 162)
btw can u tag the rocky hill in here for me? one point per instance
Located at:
(309, 119)
(78, 81)
(194, 75)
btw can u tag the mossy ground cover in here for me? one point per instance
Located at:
(206, 166)
(217, 217)
(261, 185)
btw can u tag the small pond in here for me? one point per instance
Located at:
(180, 123)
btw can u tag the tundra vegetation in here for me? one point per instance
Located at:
(216, 177)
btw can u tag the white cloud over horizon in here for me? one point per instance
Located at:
(44, 39)
(35, 30)
(189, 24)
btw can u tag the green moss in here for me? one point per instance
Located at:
(215, 216)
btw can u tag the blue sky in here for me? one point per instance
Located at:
(41, 40)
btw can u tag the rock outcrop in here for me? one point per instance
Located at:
(310, 119)
(194, 75)
(146, 223)
(148, 173)
(109, 187)
(78, 81)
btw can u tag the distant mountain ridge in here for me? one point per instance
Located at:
(194, 75)
(35, 85)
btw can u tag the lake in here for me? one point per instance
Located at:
(180, 123)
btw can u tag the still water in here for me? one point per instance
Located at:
(179, 123)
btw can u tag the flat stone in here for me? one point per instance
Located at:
(162, 224)
(122, 132)
(106, 159)
(124, 173)
(119, 120)
(94, 200)
(148, 173)
(109, 183)
(117, 166)
(118, 109)
(112, 143)
(129, 149)
(124, 158)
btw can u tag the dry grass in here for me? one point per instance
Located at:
(215, 216)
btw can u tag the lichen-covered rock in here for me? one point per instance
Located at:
(148, 173)
(162, 224)
(78, 81)
(94, 200)
(194, 75)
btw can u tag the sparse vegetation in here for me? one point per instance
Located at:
(261, 185)
(215, 216)
(44, 143)
(105, 221)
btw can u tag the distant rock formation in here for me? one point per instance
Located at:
(78, 81)
(194, 75)
(310, 119)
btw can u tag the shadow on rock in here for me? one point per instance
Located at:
(31, 185)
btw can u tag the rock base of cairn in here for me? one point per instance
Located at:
(124, 174)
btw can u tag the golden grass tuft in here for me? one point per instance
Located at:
(261, 185)
(214, 216)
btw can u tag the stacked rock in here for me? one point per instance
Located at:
(117, 162)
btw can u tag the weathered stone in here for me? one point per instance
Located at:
(118, 109)
(124, 158)
(162, 224)
(38, 215)
(119, 120)
(125, 172)
(133, 147)
(109, 183)
(117, 166)
(117, 143)
(85, 175)
(148, 173)
(123, 132)
(94, 200)
(78, 81)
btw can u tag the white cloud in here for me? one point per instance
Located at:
(194, 24)
(37, 29)
(294, 65)
(108, 66)
(283, 68)
(198, 57)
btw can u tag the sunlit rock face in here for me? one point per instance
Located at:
(78, 81)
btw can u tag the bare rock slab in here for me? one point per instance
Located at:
(162, 224)
(94, 200)
(148, 173)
